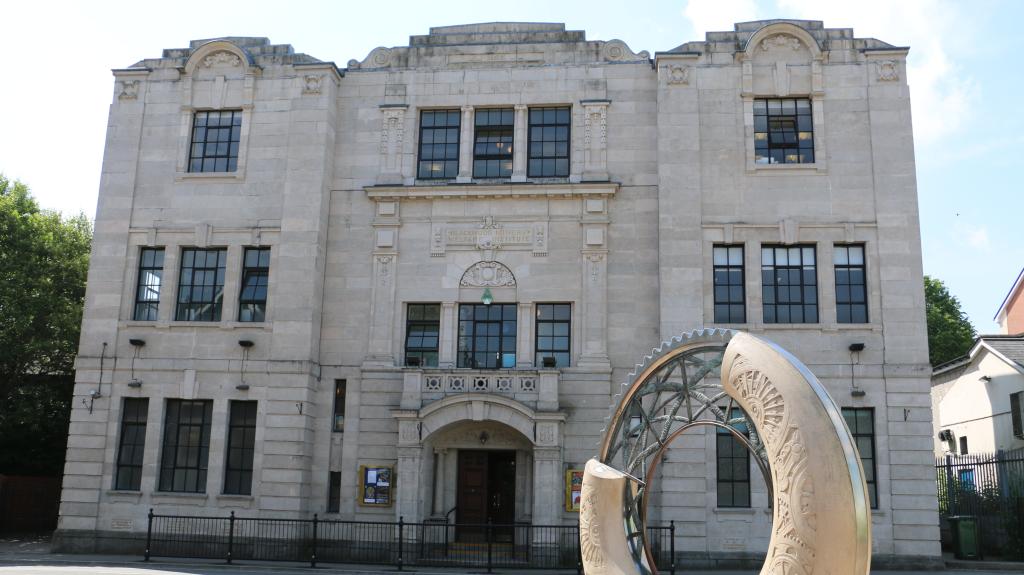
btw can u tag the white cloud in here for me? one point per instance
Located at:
(975, 236)
(942, 92)
(718, 15)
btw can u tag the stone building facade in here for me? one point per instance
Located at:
(562, 198)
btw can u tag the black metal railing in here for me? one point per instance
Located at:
(989, 487)
(437, 544)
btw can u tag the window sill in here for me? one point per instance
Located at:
(179, 498)
(231, 500)
(787, 169)
(238, 176)
(124, 496)
(734, 511)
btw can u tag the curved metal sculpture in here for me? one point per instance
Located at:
(821, 521)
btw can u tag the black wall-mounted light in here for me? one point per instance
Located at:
(137, 344)
(246, 344)
(854, 390)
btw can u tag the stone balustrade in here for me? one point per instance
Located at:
(536, 388)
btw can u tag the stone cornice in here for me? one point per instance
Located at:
(494, 191)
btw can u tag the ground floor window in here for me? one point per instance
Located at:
(186, 449)
(861, 421)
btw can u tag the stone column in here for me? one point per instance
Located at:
(448, 327)
(595, 140)
(520, 143)
(466, 146)
(524, 337)
(594, 322)
(439, 482)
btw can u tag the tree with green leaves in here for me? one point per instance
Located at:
(950, 333)
(44, 259)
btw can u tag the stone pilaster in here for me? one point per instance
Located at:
(392, 138)
(594, 351)
(466, 146)
(521, 139)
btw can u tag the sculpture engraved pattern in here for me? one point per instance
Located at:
(488, 274)
(129, 90)
(590, 528)
(222, 57)
(379, 57)
(679, 75)
(887, 70)
(793, 530)
(618, 51)
(781, 41)
(311, 83)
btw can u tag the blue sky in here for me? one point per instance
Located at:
(965, 84)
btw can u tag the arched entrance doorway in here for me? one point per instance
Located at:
(475, 458)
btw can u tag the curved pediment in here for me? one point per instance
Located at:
(220, 58)
(488, 274)
(782, 41)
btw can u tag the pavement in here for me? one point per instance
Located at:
(30, 555)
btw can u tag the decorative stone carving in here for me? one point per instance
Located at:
(596, 125)
(887, 70)
(379, 57)
(618, 51)
(222, 58)
(595, 139)
(311, 83)
(488, 274)
(392, 137)
(595, 259)
(679, 75)
(129, 90)
(384, 268)
(489, 236)
(781, 41)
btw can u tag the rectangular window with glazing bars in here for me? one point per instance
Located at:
(422, 332)
(733, 462)
(201, 285)
(730, 301)
(439, 145)
(492, 143)
(548, 148)
(132, 446)
(861, 422)
(252, 302)
(783, 131)
(241, 448)
(186, 449)
(215, 139)
(147, 289)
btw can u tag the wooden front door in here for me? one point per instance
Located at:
(486, 492)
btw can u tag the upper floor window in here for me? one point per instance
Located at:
(422, 329)
(439, 144)
(783, 131)
(186, 451)
(728, 285)
(549, 142)
(851, 286)
(492, 143)
(552, 340)
(252, 301)
(487, 336)
(215, 137)
(201, 286)
(789, 284)
(147, 290)
(861, 423)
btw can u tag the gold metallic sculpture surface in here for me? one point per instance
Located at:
(821, 519)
